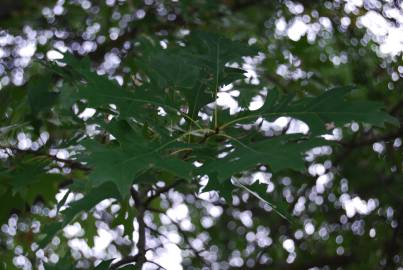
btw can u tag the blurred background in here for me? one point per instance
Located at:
(349, 202)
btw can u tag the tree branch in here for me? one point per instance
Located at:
(159, 191)
(71, 163)
(124, 261)
(157, 264)
(364, 141)
(141, 244)
(373, 139)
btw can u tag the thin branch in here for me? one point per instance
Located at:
(124, 261)
(159, 234)
(159, 191)
(141, 244)
(373, 139)
(363, 142)
(140, 257)
(156, 232)
(71, 163)
(135, 195)
(187, 241)
(157, 264)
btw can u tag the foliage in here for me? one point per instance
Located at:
(150, 137)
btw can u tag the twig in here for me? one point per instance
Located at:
(187, 241)
(141, 244)
(159, 191)
(157, 264)
(156, 232)
(71, 163)
(124, 261)
(374, 139)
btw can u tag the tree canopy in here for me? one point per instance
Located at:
(201, 134)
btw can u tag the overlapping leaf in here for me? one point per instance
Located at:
(101, 92)
(25, 182)
(197, 70)
(333, 106)
(279, 153)
(177, 76)
(133, 154)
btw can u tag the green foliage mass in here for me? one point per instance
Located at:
(159, 127)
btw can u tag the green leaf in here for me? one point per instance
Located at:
(223, 187)
(214, 51)
(39, 96)
(231, 75)
(133, 154)
(9, 202)
(26, 181)
(125, 217)
(330, 107)
(90, 228)
(50, 230)
(279, 153)
(171, 70)
(92, 198)
(183, 76)
(199, 68)
(99, 92)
